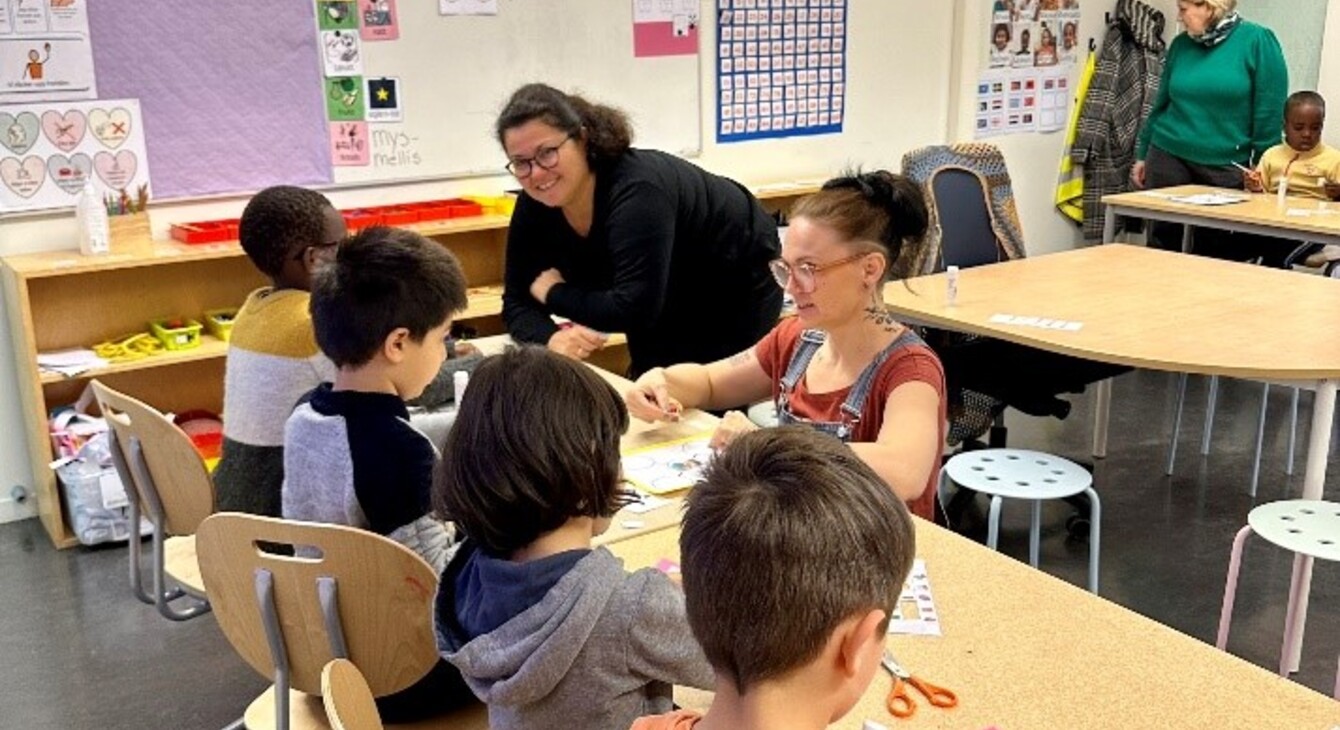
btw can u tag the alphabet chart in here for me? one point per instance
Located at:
(781, 68)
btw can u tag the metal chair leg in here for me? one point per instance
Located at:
(1095, 538)
(1177, 422)
(993, 524)
(1293, 430)
(1231, 587)
(1210, 403)
(1260, 437)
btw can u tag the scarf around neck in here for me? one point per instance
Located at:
(1219, 32)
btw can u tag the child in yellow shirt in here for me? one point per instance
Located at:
(1305, 166)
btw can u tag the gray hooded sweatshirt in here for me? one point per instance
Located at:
(602, 648)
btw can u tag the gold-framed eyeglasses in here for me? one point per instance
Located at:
(545, 158)
(806, 274)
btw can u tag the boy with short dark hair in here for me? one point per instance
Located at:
(381, 312)
(547, 630)
(793, 554)
(1306, 165)
(273, 359)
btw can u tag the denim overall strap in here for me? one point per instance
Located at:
(855, 402)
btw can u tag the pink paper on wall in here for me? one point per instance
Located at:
(665, 28)
(349, 144)
(659, 39)
(380, 21)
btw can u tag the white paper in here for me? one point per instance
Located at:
(1038, 322)
(668, 467)
(915, 613)
(113, 492)
(467, 7)
(646, 503)
(45, 52)
(1208, 199)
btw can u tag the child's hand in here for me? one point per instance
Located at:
(731, 427)
(464, 349)
(1251, 181)
(649, 399)
(1332, 190)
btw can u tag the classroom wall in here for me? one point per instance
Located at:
(1328, 78)
(897, 99)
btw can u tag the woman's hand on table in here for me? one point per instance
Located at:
(732, 426)
(649, 399)
(577, 341)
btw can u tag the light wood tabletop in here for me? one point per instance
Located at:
(1159, 310)
(1145, 308)
(1025, 650)
(1300, 218)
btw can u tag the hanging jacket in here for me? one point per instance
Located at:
(1070, 178)
(1125, 82)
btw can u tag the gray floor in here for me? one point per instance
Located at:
(77, 651)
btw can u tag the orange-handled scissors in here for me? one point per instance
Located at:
(900, 701)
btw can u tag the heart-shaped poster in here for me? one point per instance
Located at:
(24, 178)
(18, 133)
(116, 170)
(64, 130)
(70, 173)
(110, 127)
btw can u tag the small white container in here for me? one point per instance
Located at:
(94, 233)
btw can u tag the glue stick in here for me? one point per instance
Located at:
(1283, 191)
(459, 380)
(951, 285)
(94, 236)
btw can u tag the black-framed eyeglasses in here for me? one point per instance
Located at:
(806, 274)
(545, 158)
(318, 246)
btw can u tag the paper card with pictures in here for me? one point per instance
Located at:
(48, 151)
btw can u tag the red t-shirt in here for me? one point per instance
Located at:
(913, 363)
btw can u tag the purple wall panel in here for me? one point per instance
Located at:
(230, 91)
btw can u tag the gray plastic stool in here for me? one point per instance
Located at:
(1030, 475)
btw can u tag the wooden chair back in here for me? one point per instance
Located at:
(384, 597)
(347, 698)
(179, 474)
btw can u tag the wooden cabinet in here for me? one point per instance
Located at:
(59, 300)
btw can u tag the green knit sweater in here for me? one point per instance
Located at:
(1219, 105)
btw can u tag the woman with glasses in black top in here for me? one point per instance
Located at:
(618, 239)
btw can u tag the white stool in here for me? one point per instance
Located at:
(1031, 475)
(1309, 528)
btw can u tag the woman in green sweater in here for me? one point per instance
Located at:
(1219, 101)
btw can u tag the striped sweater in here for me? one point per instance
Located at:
(273, 360)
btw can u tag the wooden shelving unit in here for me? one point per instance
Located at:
(59, 300)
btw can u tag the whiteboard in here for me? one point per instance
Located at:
(456, 72)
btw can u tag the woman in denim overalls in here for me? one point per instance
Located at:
(842, 365)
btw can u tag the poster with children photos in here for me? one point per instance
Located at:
(1026, 34)
(668, 467)
(781, 68)
(48, 151)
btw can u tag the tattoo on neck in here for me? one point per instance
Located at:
(882, 317)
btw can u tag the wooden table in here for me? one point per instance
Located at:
(1025, 650)
(1302, 219)
(1162, 311)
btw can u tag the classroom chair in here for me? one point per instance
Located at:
(167, 481)
(1211, 402)
(1029, 475)
(347, 698)
(974, 222)
(365, 598)
(1308, 528)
